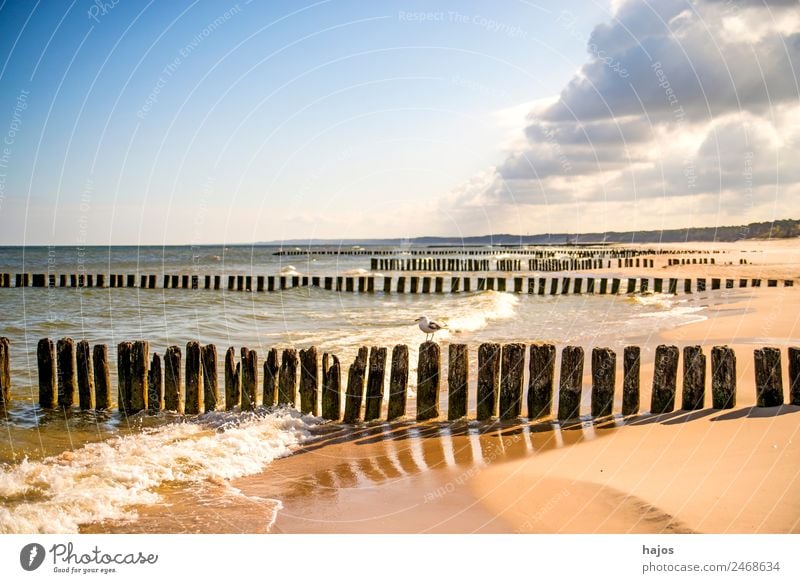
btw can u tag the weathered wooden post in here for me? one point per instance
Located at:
(309, 380)
(665, 374)
(355, 387)
(83, 360)
(172, 379)
(124, 350)
(570, 383)
(631, 361)
(694, 378)
(46, 361)
(287, 378)
(375, 383)
(398, 382)
(140, 356)
(769, 380)
(723, 377)
(5, 373)
(512, 373)
(457, 381)
(604, 376)
(208, 359)
(331, 387)
(428, 366)
(65, 358)
(271, 368)
(232, 385)
(155, 399)
(794, 375)
(541, 371)
(249, 379)
(191, 404)
(488, 380)
(102, 378)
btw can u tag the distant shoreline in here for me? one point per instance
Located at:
(762, 231)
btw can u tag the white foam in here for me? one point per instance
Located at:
(101, 481)
(655, 300)
(485, 308)
(289, 270)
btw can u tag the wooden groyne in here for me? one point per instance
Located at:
(500, 388)
(413, 284)
(474, 265)
(550, 251)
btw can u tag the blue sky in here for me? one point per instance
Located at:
(202, 122)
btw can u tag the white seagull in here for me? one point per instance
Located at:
(429, 327)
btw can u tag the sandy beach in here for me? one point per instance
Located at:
(708, 471)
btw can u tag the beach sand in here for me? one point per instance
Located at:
(708, 471)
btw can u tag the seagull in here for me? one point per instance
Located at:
(429, 327)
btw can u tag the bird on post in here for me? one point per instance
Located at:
(429, 327)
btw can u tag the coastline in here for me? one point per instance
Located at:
(706, 471)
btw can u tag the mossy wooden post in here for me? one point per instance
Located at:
(457, 381)
(232, 388)
(604, 376)
(398, 382)
(46, 362)
(309, 380)
(140, 357)
(631, 364)
(83, 361)
(331, 387)
(102, 378)
(375, 383)
(65, 359)
(172, 379)
(271, 368)
(287, 378)
(124, 351)
(428, 368)
(192, 380)
(5, 373)
(794, 375)
(570, 383)
(249, 379)
(354, 393)
(694, 378)
(723, 377)
(541, 371)
(488, 380)
(665, 376)
(769, 380)
(208, 358)
(512, 371)
(155, 400)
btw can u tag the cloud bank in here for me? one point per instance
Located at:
(685, 113)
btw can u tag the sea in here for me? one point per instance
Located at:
(63, 471)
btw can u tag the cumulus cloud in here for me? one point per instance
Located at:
(690, 102)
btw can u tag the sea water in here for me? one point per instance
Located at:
(60, 470)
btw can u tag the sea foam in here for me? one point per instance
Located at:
(102, 481)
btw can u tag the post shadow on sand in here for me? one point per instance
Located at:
(757, 413)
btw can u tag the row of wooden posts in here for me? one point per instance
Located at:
(401, 284)
(66, 368)
(587, 250)
(460, 264)
(695, 261)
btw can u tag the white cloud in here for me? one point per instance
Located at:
(705, 125)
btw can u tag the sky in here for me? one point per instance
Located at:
(135, 122)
